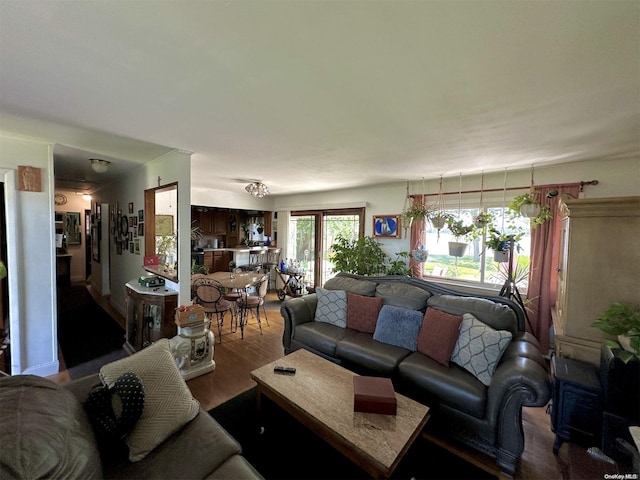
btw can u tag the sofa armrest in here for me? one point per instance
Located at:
(518, 382)
(82, 386)
(296, 311)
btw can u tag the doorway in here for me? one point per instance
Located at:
(311, 234)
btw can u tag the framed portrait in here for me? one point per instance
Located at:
(140, 215)
(131, 207)
(140, 229)
(386, 226)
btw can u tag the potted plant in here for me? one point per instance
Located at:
(361, 256)
(500, 243)
(482, 220)
(165, 244)
(623, 320)
(399, 266)
(527, 205)
(415, 212)
(459, 230)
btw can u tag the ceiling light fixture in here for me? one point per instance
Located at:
(98, 165)
(257, 189)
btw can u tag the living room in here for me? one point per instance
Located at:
(584, 129)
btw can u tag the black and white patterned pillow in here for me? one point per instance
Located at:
(479, 348)
(332, 307)
(114, 411)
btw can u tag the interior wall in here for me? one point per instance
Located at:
(30, 258)
(127, 266)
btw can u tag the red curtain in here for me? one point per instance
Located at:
(416, 238)
(545, 239)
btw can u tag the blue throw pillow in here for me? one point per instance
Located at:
(398, 326)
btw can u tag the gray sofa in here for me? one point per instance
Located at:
(487, 418)
(46, 434)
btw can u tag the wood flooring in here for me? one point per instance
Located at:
(236, 357)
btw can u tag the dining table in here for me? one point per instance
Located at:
(239, 282)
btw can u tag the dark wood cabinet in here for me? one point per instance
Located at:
(221, 261)
(219, 223)
(576, 411)
(150, 315)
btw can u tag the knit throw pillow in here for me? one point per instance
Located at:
(439, 334)
(332, 307)
(168, 403)
(479, 348)
(362, 312)
(398, 326)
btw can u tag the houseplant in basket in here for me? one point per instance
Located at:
(500, 243)
(527, 205)
(623, 320)
(460, 231)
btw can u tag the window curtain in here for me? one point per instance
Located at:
(416, 238)
(543, 282)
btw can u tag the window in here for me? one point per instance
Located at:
(477, 264)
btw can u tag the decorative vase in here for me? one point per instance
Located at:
(457, 249)
(530, 210)
(500, 256)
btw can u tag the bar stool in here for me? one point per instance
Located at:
(273, 260)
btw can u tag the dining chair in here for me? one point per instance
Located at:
(232, 296)
(247, 303)
(210, 294)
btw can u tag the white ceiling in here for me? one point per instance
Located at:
(319, 95)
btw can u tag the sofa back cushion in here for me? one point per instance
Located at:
(359, 287)
(398, 326)
(362, 312)
(332, 307)
(497, 316)
(403, 295)
(438, 335)
(45, 432)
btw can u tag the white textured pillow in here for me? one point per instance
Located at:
(332, 307)
(169, 404)
(479, 348)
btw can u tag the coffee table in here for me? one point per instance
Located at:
(320, 396)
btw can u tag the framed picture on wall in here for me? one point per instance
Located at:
(386, 226)
(95, 243)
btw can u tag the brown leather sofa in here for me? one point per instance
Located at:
(46, 434)
(487, 418)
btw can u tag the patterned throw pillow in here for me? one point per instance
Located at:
(479, 348)
(168, 403)
(398, 326)
(114, 411)
(438, 335)
(362, 312)
(332, 307)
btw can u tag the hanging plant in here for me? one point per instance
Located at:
(415, 212)
(527, 205)
(439, 219)
(482, 220)
(459, 230)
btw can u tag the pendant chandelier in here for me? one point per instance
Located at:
(257, 189)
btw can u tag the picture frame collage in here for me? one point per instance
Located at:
(127, 228)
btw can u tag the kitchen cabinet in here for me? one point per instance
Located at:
(219, 223)
(599, 260)
(150, 315)
(221, 261)
(208, 260)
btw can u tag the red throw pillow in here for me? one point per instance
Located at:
(362, 312)
(438, 335)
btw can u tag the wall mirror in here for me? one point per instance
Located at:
(161, 229)
(73, 228)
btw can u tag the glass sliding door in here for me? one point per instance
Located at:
(311, 234)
